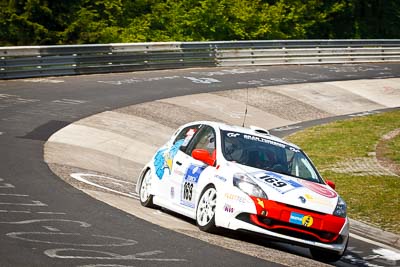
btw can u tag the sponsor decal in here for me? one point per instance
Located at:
(260, 202)
(188, 185)
(189, 136)
(263, 140)
(235, 198)
(300, 219)
(219, 177)
(191, 132)
(319, 189)
(307, 221)
(178, 172)
(320, 201)
(172, 192)
(276, 181)
(193, 173)
(302, 199)
(164, 158)
(232, 134)
(228, 208)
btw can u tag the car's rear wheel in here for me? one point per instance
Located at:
(146, 199)
(205, 213)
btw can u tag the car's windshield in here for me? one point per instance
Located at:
(266, 154)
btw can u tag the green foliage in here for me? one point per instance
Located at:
(35, 22)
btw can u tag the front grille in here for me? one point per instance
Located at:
(303, 209)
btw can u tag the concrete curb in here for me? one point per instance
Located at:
(375, 234)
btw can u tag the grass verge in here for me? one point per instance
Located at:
(344, 152)
(393, 152)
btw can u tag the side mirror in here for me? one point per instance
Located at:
(204, 156)
(331, 184)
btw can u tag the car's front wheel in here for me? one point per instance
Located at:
(146, 199)
(205, 213)
(324, 255)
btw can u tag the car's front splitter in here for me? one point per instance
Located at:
(339, 246)
(282, 218)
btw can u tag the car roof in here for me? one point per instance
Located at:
(252, 130)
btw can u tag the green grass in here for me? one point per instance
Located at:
(374, 199)
(393, 151)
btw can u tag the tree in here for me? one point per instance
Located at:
(31, 22)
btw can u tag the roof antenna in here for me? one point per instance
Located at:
(245, 111)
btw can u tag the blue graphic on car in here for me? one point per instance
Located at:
(164, 158)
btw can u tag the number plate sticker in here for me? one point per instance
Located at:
(278, 182)
(188, 185)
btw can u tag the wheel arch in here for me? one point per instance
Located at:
(220, 203)
(140, 178)
(209, 226)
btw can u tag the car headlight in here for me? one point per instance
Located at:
(247, 185)
(341, 208)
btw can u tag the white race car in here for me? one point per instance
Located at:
(246, 179)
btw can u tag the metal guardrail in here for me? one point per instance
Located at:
(39, 61)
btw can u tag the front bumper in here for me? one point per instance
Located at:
(295, 225)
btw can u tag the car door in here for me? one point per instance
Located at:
(171, 163)
(188, 170)
(164, 165)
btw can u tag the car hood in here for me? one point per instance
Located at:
(293, 191)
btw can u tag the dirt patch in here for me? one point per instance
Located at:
(367, 166)
(381, 150)
(376, 164)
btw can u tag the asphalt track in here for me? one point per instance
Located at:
(44, 221)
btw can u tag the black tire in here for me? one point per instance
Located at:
(205, 212)
(326, 255)
(145, 198)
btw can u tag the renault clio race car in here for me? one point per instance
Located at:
(246, 179)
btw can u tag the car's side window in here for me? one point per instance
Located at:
(186, 135)
(204, 140)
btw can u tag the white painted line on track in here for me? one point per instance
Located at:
(372, 242)
(111, 241)
(50, 228)
(202, 80)
(65, 253)
(51, 213)
(80, 223)
(70, 101)
(15, 211)
(34, 203)
(14, 195)
(79, 177)
(28, 212)
(42, 80)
